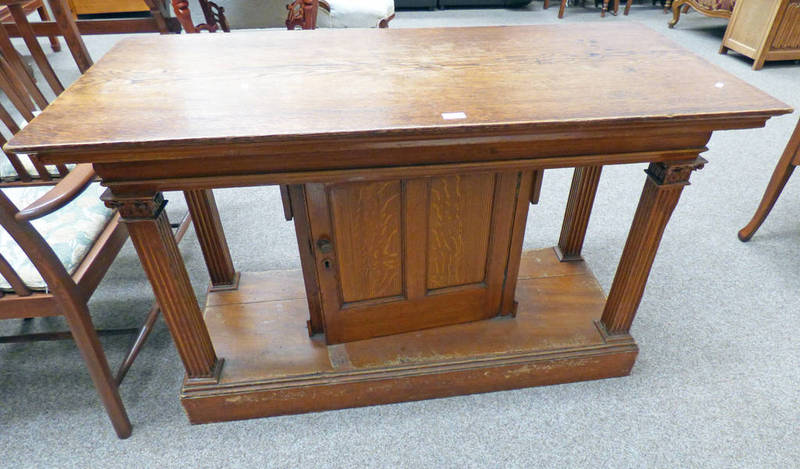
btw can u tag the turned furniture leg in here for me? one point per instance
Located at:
(627, 7)
(207, 225)
(676, 12)
(660, 195)
(577, 213)
(66, 23)
(184, 15)
(152, 237)
(784, 169)
(55, 44)
(561, 8)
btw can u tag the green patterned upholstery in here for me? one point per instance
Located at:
(70, 231)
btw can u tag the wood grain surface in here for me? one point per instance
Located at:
(367, 225)
(459, 220)
(148, 92)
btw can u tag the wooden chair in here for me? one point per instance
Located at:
(67, 28)
(340, 13)
(789, 160)
(57, 241)
(29, 7)
(158, 21)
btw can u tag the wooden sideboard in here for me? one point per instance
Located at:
(764, 30)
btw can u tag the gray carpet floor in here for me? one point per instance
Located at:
(716, 384)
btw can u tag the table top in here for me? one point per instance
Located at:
(151, 92)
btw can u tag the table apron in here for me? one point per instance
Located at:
(117, 176)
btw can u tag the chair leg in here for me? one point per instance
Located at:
(676, 13)
(150, 321)
(80, 324)
(561, 8)
(55, 44)
(783, 170)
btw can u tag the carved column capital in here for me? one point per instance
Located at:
(674, 172)
(136, 208)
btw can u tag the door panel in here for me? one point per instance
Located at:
(459, 219)
(367, 224)
(403, 255)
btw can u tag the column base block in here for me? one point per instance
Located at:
(272, 367)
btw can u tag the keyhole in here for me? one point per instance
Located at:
(326, 263)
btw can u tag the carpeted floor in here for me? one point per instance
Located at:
(716, 384)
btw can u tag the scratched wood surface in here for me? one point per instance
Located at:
(281, 85)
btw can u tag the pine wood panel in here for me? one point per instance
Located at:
(367, 224)
(459, 220)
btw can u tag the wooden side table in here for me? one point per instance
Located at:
(764, 30)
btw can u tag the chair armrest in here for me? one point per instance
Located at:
(61, 194)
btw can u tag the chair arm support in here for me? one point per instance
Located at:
(61, 194)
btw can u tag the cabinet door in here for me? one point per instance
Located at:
(402, 255)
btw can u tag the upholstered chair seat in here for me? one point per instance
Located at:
(70, 231)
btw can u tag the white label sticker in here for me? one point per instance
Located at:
(453, 115)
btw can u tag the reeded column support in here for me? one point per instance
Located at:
(207, 225)
(152, 237)
(579, 209)
(662, 189)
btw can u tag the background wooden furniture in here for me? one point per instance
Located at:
(339, 14)
(603, 3)
(159, 21)
(764, 30)
(213, 14)
(714, 8)
(409, 113)
(93, 7)
(784, 169)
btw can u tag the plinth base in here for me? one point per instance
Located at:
(272, 366)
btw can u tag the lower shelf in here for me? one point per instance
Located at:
(272, 367)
